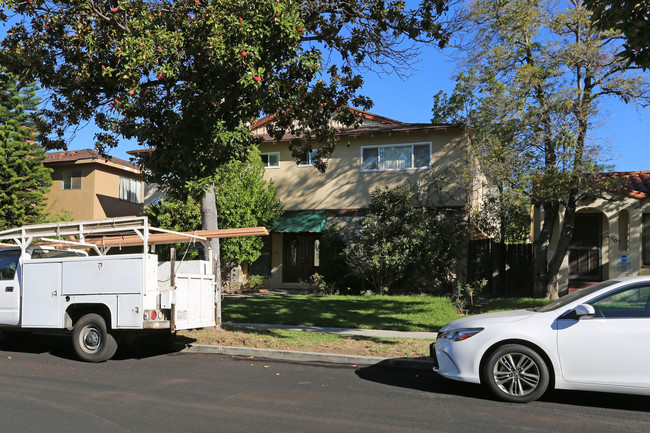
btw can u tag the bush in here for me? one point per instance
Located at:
(255, 282)
(464, 297)
(318, 285)
(333, 265)
(410, 240)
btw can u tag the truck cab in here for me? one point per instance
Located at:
(10, 275)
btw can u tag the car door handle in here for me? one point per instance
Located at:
(9, 289)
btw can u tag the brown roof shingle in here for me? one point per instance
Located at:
(79, 155)
(639, 185)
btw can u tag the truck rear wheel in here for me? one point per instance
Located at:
(91, 341)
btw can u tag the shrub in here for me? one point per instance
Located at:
(410, 240)
(255, 282)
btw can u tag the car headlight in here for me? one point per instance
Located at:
(459, 334)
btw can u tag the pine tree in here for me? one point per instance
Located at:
(24, 180)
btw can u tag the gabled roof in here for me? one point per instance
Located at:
(87, 156)
(363, 114)
(381, 129)
(383, 125)
(639, 186)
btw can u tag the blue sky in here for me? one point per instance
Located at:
(627, 130)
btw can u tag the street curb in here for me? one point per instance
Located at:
(295, 356)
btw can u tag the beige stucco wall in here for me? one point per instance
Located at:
(98, 196)
(344, 185)
(613, 232)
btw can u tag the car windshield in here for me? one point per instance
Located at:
(567, 299)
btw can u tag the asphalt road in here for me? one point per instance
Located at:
(44, 389)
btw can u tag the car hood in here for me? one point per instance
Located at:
(481, 320)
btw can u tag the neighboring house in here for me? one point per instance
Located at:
(381, 152)
(611, 238)
(87, 186)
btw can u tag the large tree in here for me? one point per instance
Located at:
(244, 199)
(24, 180)
(632, 19)
(186, 77)
(535, 72)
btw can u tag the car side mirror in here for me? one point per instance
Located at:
(585, 311)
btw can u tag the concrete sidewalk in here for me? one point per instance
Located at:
(326, 358)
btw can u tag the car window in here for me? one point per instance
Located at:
(629, 302)
(567, 299)
(8, 264)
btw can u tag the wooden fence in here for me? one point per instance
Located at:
(507, 268)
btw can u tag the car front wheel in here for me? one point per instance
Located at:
(516, 373)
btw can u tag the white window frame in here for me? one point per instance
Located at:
(131, 183)
(645, 240)
(277, 154)
(71, 174)
(310, 160)
(380, 148)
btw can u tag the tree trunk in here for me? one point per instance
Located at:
(542, 246)
(547, 270)
(210, 221)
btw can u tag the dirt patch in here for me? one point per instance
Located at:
(310, 342)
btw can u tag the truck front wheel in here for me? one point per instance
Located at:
(91, 340)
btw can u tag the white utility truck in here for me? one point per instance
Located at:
(100, 280)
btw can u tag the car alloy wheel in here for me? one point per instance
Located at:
(516, 373)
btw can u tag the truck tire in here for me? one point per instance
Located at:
(91, 341)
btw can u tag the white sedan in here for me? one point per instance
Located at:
(596, 339)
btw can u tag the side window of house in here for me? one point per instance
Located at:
(71, 179)
(396, 157)
(646, 239)
(271, 159)
(308, 160)
(130, 190)
(262, 266)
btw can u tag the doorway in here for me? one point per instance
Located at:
(585, 248)
(300, 256)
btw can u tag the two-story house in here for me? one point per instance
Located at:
(89, 186)
(381, 152)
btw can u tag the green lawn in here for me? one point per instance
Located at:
(400, 313)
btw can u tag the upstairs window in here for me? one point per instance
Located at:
(307, 160)
(396, 157)
(271, 159)
(71, 179)
(130, 190)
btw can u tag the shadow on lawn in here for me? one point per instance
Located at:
(355, 312)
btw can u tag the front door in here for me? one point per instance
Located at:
(300, 256)
(9, 287)
(584, 251)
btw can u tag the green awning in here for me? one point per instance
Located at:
(300, 221)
